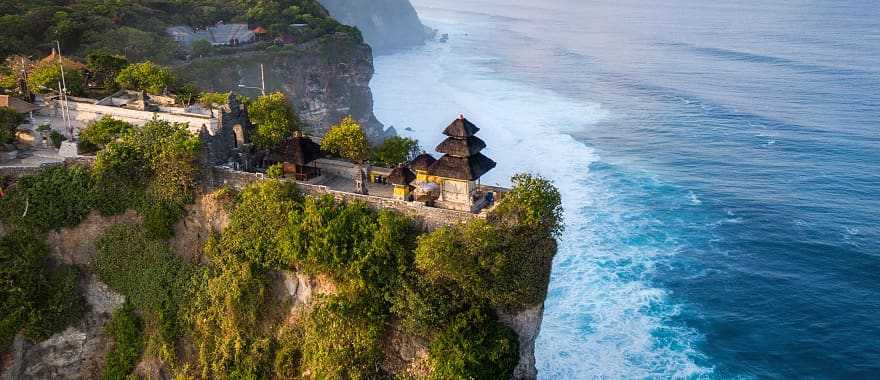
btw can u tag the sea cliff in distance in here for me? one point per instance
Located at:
(386, 24)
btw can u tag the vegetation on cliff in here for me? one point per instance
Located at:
(136, 29)
(223, 315)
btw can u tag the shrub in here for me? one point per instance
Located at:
(126, 331)
(9, 122)
(274, 119)
(35, 296)
(395, 150)
(226, 318)
(160, 218)
(533, 202)
(262, 210)
(275, 171)
(423, 306)
(341, 339)
(506, 266)
(151, 278)
(103, 131)
(54, 198)
(56, 139)
(474, 346)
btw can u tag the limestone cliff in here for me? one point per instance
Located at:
(325, 79)
(385, 24)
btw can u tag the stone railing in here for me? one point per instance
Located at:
(428, 218)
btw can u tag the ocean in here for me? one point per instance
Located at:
(719, 164)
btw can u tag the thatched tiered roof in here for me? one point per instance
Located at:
(422, 162)
(401, 175)
(298, 150)
(462, 158)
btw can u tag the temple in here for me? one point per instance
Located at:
(453, 181)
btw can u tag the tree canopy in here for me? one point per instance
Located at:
(274, 119)
(347, 140)
(395, 150)
(9, 122)
(145, 76)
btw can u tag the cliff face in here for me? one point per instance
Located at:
(385, 24)
(325, 79)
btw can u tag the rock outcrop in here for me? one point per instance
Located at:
(325, 79)
(385, 24)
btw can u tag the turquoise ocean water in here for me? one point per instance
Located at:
(719, 163)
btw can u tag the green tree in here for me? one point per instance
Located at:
(275, 171)
(347, 140)
(135, 44)
(145, 76)
(9, 122)
(395, 150)
(45, 76)
(104, 68)
(274, 120)
(101, 132)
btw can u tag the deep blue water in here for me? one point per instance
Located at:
(719, 163)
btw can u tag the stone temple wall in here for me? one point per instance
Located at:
(427, 218)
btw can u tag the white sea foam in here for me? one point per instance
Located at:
(602, 318)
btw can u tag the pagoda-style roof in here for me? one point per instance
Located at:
(401, 175)
(422, 162)
(461, 127)
(17, 104)
(461, 147)
(298, 150)
(463, 168)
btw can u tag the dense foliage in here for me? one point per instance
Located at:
(136, 29)
(274, 120)
(151, 169)
(126, 331)
(146, 76)
(9, 122)
(37, 297)
(55, 197)
(151, 277)
(347, 140)
(101, 132)
(474, 346)
(396, 150)
(506, 260)
(45, 76)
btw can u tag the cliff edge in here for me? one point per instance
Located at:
(385, 24)
(325, 79)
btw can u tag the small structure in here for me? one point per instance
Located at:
(402, 178)
(218, 35)
(421, 164)
(296, 154)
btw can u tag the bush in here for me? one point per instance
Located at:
(160, 218)
(9, 122)
(227, 318)
(423, 306)
(151, 278)
(56, 139)
(103, 131)
(474, 346)
(46, 74)
(275, 171)
(341, 339)
(262, 210)
(505, 260)
(35, 296)
(54, 198)
(396, 150)
(125, 329)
